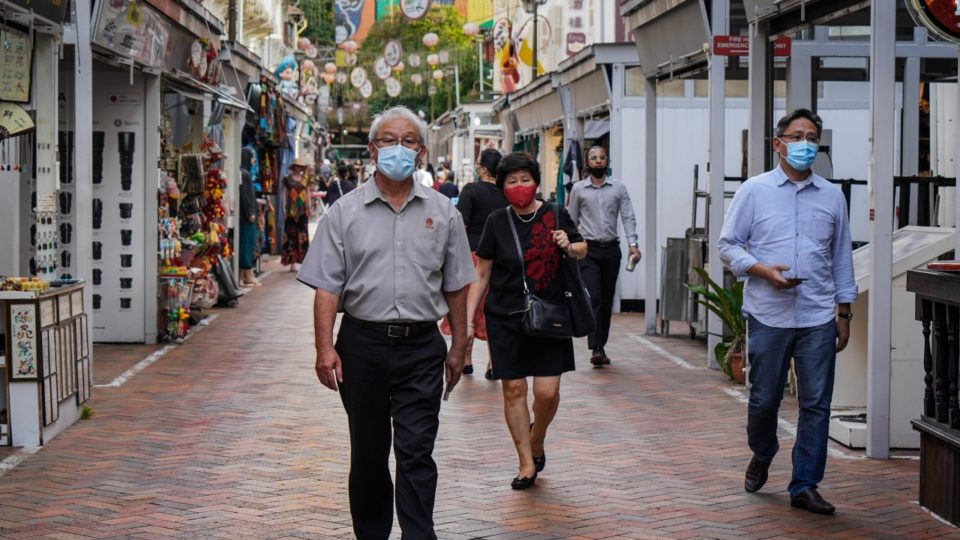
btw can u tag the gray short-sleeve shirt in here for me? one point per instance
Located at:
(388, 265)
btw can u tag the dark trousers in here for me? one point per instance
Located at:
(600, 270)
(400, 379)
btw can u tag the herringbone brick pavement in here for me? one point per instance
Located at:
(231, 436)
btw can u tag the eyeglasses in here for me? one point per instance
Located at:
(384, 142)
(797, 137)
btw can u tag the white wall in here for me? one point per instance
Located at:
(683, 140)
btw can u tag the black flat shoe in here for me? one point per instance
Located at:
(488, 375)
(524, 483)
(468, 369)
(540, 462)
(597, 358)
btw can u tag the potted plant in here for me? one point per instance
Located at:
(727, 304)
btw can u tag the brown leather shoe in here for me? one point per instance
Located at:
(811, 501)
(756, 475)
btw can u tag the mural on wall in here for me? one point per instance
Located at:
(347, 16)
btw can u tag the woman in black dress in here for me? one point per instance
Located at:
(515, 355)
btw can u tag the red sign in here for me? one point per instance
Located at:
(740, 46)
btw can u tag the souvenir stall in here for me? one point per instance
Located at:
(268, 136)
(44, 351)
(156, 231)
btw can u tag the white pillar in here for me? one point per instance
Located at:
(956, 190)
(721, 11)
(880, 179)
(83, 150)
(151, 238)
(910, 130)
(799, 73)
(651, 217)
(757, 146)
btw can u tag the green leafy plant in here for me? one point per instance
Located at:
(727, 304)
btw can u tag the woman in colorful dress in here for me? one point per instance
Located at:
(500, 269)
(296, 236)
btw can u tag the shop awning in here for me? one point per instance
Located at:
(537, 105)
(186, 85)
(295, 109)
(671, 35)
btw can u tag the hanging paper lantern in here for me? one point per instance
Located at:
(414, 60)
(471, 29)
(430, 39)
(416, 79)
(399, 67)
(444, 57)
(438, 75)
(349, 46)
(433, 60)
(330, 67)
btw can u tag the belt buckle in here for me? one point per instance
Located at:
(398, 331)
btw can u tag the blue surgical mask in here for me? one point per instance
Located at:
(396, 162)
(801, 154)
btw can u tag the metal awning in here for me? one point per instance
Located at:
(537, 105)
(186, 85)
(672, 36)
(790, 16)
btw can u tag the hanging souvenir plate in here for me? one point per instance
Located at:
(381, 68)
(414, 9)
(366, 89)
(341, 77)
(392, 52)
(350, 59)
(393, 87)
(358, 76)
(414, 60)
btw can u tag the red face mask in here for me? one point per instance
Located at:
(520, 196)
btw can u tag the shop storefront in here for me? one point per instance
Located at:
(538, 117)
(45, 361)
(164, 171)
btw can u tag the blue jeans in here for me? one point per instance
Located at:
(814, 352)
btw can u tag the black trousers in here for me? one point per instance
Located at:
(401, 379)
(600, 270)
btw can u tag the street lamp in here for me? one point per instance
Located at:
(531, 6)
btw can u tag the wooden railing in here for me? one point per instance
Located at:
(938, 310)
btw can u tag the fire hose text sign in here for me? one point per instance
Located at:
(740, 46)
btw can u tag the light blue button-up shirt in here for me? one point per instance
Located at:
(771, 221)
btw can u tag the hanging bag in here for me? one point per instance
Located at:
(575, 292)
(541, 318)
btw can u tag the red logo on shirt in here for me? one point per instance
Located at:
(429, 224)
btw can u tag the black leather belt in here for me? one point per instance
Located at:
(604, 243)
(396, 330)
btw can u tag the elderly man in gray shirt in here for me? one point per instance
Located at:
(595, 204)
(395, 256)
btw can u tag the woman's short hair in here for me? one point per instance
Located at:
(490, 159)
(517, 161)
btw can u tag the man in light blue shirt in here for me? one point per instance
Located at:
(787, 231)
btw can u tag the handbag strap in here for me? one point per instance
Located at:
(516, 240)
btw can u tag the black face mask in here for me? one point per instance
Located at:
(598, 172)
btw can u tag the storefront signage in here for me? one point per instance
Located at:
(54, 11)
(135, 30)
(940, 17)
(740, 46)
(414, 9)
(13, 120)
(23, 341)
(16, 61)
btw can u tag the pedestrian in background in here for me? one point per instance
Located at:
(449, 187)
(596, 203)
(338, 186)
(296, 238)
(248, 219)
(787, 231)
(395, 255)
(423, 176)
(503, 270)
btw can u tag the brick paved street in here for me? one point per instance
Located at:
(231, 436)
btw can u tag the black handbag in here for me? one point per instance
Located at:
(582, 319)
(541, 318)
